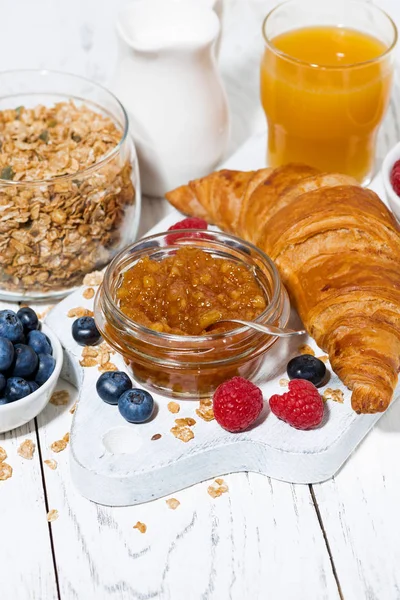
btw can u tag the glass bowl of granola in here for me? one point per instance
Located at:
(69, 182)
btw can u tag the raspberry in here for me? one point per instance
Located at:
(189, 223)
(302, 406)
(395, 177)
(237, 404)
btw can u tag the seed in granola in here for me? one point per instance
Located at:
(7, 173)
(185, 434)
(60, 398)
(80, 311)
(205, 410)
(58, 446)
(335, 395)
(51, 463)
(88, 293)
(5, 471)
(52, 515)
(172, 503)
(305, 349)
(156, 436)
(173, 407)
(284, 382)
(66, 437)
(185, 421)
(141, 527)
(3, 454)
(44, 136)
(26, 449)
(218, 488)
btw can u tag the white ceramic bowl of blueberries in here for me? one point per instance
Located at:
(31, 358)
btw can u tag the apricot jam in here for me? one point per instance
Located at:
(148, 308)
(187, 292)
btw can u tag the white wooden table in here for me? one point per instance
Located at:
(262, 540)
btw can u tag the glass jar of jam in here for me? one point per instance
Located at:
(178, 364)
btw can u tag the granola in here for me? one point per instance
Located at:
(5, 471)
(186, 421)
(51, 463)
(80, 311)
(88, 293)
(156, 436)
(335, 395)
(173, 407)
(3, 454)
(205, 410)
(185, 434)
(60, 398)
(61, 221)
(172, 503)
(284, 382)
(93, 278)
(141, 527)
(58, 446)
(26, 449)
(52, 515)
(217, 488)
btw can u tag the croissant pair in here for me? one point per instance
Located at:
(337, 248)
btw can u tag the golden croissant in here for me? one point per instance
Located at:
(337, 248)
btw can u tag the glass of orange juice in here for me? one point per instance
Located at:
(326, 77)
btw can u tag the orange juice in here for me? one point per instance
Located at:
(324, 91)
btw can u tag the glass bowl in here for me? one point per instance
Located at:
(184, 366)
(56, 228)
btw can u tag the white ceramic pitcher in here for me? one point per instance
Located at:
(168, 81)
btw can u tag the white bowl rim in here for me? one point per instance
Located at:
(391, 157)
(59, 357)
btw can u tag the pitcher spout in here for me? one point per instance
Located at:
(164, 25)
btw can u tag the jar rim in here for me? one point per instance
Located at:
(157, 335)
(269, 43)
(104, 160)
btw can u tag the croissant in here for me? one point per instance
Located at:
(337, 248)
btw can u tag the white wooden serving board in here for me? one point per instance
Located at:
(116, 463)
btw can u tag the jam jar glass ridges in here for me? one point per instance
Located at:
(186, 366)
(69, 182)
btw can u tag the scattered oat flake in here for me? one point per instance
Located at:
(80, 311)
(172, 503)
(305, 349)
(66, 437)
(156, 436)
(90, 351)
(324, 358)
(3, 454)
(141, 527)
(94, 278)
(88, 293)
(284, 382)
(26, 449)
(108, 366)
(5, 471)
(185, 421)
(88, 361)
(51, 463)
(173, 407)
(205, 410)
(58, 446)
(52, 515)
(217, 490)
(73, 408)
(185, 434)
(335, 395)
(60, 398)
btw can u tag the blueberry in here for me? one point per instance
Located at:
(136, 406)
(16, 388)
(6, 354)
(25, 361)
(111, 385)
(39, 342)
(28, 318)
(307, 367)
(45, 368)
(3, 382)
(10, 326)
(33, 386)
(85, 332)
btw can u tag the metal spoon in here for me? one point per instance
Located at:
(268, 329)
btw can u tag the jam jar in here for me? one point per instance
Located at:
(190, 366)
